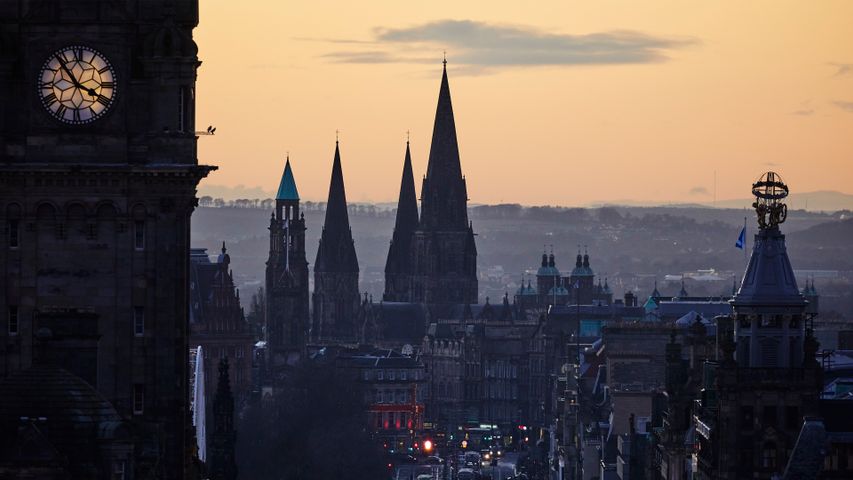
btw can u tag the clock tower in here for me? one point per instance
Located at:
(98, 176)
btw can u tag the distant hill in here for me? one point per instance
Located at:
(820, 201)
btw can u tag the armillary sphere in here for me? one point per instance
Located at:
(769, 192)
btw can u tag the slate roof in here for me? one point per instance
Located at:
(769, 278)
(401, 321)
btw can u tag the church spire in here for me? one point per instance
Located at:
(336, 251)
(287, 185)
(444, 195)
(407, 219)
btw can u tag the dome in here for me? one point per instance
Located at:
(548, 271)
(559, 291)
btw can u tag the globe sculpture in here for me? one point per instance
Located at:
(769, 192)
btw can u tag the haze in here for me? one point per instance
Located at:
(557, 102)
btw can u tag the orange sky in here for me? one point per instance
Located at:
(562, 102)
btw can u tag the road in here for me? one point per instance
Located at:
(504, 469)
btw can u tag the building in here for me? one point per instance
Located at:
(440, 264)
(767, 379)
(97, 187)
(336, 298)
(287, 315)
(217, 323)
(395, 386)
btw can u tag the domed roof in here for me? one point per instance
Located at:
(75, 413)
(548, 272)
(560, 290)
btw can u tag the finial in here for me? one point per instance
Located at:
(552, 249)
(337, 135)
(445, 60)
(407, 137)
(288, 155)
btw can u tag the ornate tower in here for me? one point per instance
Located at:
(767, 379)
(582, 280)
(398, 267)
(286, 276)
(221, 442)
(444, 254)
(336, 298)
(98, 175)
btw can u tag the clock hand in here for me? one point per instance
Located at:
(90, 91)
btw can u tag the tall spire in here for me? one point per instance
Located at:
(336, 251)
(407, 219)
(287, 186)
(444, 195)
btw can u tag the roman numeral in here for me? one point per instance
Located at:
(50, 99)
(78, 54)
(105, 69)
(108, 85)
(76, 115)
(60, 112)
(103, 100)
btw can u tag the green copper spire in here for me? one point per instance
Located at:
(287, 187)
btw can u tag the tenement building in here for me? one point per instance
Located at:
(98, 175)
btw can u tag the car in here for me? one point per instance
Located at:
(466, 474)
(434, 460)
(425, 476)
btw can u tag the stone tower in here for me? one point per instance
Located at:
(336, 297)
(98, 175)
(767, 379)
(581, 280)
(444, 255)
(287, 315)
(398, 267)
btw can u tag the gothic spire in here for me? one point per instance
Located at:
(287, 185)
(407, 218)
(337, 250)
(444, 195)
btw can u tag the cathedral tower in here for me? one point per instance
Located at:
(336, 297)
(444, 255)
(98, 176)
(287, 315)
(398, 267)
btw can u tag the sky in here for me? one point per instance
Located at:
(556, 102)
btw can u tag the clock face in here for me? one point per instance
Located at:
(77, 85)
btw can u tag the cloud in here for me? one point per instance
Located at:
(842, 69)
(699, 191)
(846, 106)
(485, 46)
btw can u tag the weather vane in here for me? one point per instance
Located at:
(769, 192)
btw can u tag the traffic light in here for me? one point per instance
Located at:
(464, 444)
(427, 446)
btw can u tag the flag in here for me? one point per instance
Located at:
(741, 239)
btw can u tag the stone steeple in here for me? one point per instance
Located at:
(287, 309)
(444, 195)
(443, 252)
(398, 267)
(221, 443)
(336, 296)
(337, 250)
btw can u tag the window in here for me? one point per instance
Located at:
(768, 455)
(746, 420)
(138, 399)
(380, 374)
(792, 417)
(768, 416)
(402, 374)
(138, 321)
(239, 352)
(139, 234)
(13, 234)
(391, 374)
(118, 470)
(13, 320)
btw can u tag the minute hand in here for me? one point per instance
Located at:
(90, 91)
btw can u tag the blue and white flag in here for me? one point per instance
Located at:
(741, 239)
